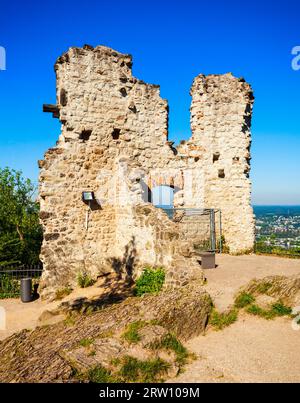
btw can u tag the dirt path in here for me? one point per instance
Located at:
(250, 350)
(21, 316)
(235, 271)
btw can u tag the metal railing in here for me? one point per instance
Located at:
(206, 223)
(11, 275)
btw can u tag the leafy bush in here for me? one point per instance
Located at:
(262, 248)
(9, 287)
(150, 282)
(84, 280)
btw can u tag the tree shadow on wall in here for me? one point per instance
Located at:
(113, 290)
(124, 266)
(115, 287)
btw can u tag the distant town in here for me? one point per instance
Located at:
(278, 227)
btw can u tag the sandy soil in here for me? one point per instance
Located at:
(250, 350)
(233, 272)
(21, 316)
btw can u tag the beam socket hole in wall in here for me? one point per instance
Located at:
(132, 107)
(216, 157)
(116, 134)
(123, 92)
(63, 99)
(85, 135)
(221, 173)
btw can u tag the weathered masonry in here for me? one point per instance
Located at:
(114, 142)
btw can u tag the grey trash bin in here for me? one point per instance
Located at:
(26, 290)
(208, 260)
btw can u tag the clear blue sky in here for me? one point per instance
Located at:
(172, 42)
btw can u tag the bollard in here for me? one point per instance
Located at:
(26, 290)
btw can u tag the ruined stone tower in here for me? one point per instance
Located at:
(114, 142)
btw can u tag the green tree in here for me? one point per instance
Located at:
(20, 231)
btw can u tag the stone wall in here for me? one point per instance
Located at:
(114, 141)
(221, 119)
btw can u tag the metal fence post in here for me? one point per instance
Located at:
(220, 218)
(212, 230)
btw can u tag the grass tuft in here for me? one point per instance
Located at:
(131, 333)
(243, 300)
(86, 342)
(222, 320)
(134, 370)
(258, 311)
(281, 310)
(277, 309)
(170, 342)
(84, 280)
(62, 293)
(130, 370)
(264, 287)
(99, 374)
(70, 320)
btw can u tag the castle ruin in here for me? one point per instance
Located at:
(114, 143)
